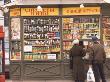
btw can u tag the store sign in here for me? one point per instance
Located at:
(15, 12)
(34, 12)
(81, 11)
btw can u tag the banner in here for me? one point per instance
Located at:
(81, 11)
(34, 12)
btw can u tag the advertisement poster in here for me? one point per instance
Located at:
(15, 50)
(15, 28)
(15, 55)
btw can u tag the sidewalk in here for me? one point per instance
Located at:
(45, 81)
(41, 81)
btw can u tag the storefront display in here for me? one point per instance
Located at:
(82, 27)
(41, 38)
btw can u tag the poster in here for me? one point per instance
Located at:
(15, 28)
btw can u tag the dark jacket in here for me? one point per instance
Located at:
(76, 62)
(97, 53)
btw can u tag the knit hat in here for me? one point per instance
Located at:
(76, 41)
(94, 38)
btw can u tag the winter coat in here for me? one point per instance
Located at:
(97, 53)
(77, 63)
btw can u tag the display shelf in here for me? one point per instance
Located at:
(78, 28)
(41, 38)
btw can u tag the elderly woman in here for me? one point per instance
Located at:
(76, 61)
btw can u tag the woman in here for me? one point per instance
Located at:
(76, 61)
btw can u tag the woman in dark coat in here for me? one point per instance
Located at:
(76, 62)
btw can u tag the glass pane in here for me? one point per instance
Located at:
(78, 28)
(41, 38)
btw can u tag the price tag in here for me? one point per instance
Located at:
(28, 48)
(51, 56)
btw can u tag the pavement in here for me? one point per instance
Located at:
(40, 81)
(108, 80)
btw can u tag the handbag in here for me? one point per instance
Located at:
(90, 75)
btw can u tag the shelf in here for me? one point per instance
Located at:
(35, 39)
(42, 39)
(15, 40)
(44, 32)
(38, 24)
(40, 52)
(42, 45)
(67, 28)
(48, 60)
(68, 39)
(85, 23)
(52, 24)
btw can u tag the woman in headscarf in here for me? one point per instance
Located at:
(76, 61)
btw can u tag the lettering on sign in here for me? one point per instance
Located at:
(81, 11)
(15, 12)
(34, 12)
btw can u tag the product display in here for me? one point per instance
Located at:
(79, 28)
(106, 34)
(15, 50)
(41, 37)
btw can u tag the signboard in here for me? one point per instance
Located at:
(81, 11)
(34, 12)
(15, 12)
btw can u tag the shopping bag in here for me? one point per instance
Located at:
(90, 75)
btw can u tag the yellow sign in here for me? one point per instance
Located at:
(81, 11)
(34, 12)
(15, 12)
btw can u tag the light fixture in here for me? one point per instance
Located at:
(81, 5)
(39, 8)
(107, 1)
(6, 10)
